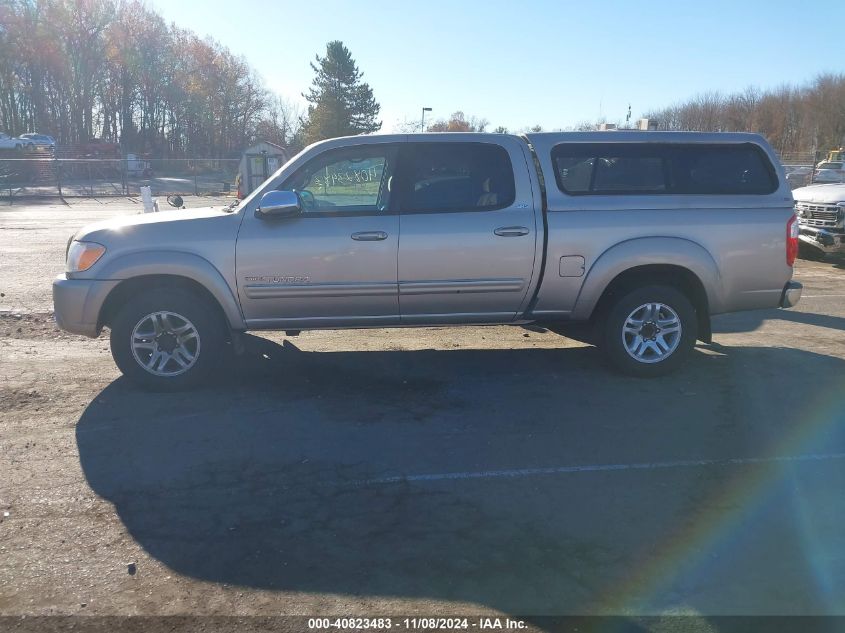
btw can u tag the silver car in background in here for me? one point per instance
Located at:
(829, 171)
(40, 141)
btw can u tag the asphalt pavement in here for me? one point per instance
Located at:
(435, 470)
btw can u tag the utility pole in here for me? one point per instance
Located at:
(422, 120)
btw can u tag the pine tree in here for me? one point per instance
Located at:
(340, 104)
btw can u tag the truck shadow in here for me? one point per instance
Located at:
(749, 321)
(289, 474)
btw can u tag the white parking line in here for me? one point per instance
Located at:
(561, 470)
(820, 296)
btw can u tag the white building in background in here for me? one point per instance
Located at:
(257, 164)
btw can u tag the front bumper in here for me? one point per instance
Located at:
(791, 294)
(826, 240)
(77, 303)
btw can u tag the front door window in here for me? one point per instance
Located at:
(355, 180)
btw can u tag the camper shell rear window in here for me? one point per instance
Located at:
(662, 168)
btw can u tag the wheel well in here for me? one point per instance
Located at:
(660, 274)
(136, 285)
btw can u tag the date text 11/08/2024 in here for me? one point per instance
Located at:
(417, 623)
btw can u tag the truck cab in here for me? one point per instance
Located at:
(466, 211)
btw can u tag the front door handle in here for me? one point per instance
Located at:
(369, 236)
(511, 231)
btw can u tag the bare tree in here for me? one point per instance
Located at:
(794, 118)
(459, 123)
(281, 121)
(115, 69)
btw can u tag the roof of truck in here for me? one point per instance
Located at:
(636, 136)
(553, 138)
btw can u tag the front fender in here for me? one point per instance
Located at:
(649, 251)
(176, 263)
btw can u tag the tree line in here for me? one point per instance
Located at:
(114, 69)
(795, 119)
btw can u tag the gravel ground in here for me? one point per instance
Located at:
(419, 471)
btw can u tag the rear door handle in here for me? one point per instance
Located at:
(369, 236)
(511, 231)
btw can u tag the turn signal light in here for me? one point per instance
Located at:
(82, 255)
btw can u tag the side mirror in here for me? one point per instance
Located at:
(279, 204)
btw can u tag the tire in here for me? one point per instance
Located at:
(663, 349)
(179, 327)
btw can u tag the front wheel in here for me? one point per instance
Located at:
(650, 331)
(166, 340)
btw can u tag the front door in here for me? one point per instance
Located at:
(468, 232)
(333, 265)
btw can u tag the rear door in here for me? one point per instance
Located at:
(468, 231)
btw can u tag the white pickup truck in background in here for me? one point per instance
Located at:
(821, 219)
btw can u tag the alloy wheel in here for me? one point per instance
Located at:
(651, 333)
(165, 343)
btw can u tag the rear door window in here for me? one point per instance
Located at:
(655, 168)
(454, 177)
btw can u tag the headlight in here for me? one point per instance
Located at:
(82, 255)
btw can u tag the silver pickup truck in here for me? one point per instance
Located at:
(641, 235)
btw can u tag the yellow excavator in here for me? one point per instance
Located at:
(836, 155)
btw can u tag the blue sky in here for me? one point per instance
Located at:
(518, 63)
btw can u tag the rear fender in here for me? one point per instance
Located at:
(646, 251)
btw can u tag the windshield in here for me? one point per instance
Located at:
(830, 165)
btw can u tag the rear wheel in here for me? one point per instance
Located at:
(167, 339)
(649, 331)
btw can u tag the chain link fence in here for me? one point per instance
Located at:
(800, 167)
(798, 159)
(46, 175)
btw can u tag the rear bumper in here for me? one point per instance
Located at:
(791, 294)
(822, 239)
(77, 303)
